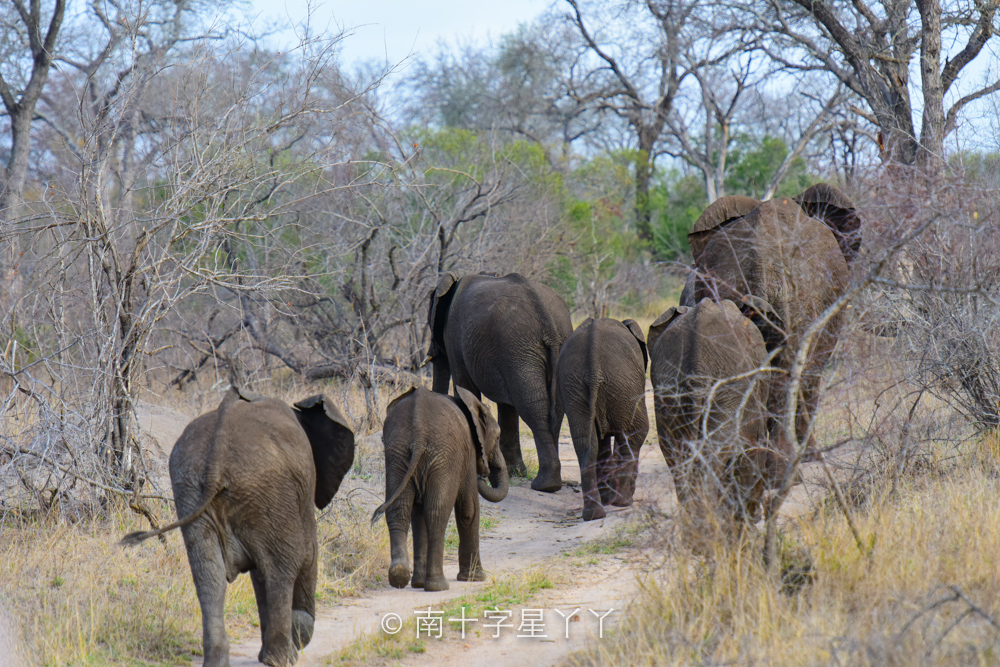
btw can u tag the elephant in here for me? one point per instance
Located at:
(601, 387)
(246, 477)
(719, 213)
(829, 204)
(778, 255)
(500, 337)
(711, 408)
(439, 451)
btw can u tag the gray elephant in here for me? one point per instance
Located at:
(829, 204)
(601, 387)
(439, 452)
(246, 478)
(778, 254)
(500, 338)
(711, 408)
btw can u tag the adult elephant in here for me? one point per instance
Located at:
(601, 387)
(500, 337)
(246, 478)
(793, 262)
(711, 409)
(715, 216)
(439, 452)
(829, 204)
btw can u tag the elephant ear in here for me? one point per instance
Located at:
(332, 441)
(636, 330)
(716, 216)
(476, 414)
(662, 322)
(831, 206)
(437, 315)
(247, 395)
(393, 402)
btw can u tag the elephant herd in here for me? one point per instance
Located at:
(247, 476)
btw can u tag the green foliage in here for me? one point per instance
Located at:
(597, 215)
(754, 162)
(982, 168)
(676, 202)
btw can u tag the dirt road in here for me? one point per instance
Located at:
(534, 528)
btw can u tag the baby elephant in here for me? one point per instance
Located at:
(601, 386)
(439, 451)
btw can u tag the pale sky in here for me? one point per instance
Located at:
(392, 29)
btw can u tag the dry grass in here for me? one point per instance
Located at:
(927, 596)
(82, 599)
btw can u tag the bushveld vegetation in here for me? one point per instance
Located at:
(185, 207)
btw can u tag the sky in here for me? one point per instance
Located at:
(390, 30)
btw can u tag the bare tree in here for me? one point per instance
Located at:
(872, 47)
(31, 49)
(637, 84)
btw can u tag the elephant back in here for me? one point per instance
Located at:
(705, 344)
(774, 252)
(606, 356)
(717, 215)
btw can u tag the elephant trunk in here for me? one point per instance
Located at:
(495, 489)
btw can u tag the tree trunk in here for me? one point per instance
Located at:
(932, 133)
(643, 171)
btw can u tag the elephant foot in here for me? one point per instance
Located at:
(621, 501)
(548, 481)
(592, 513)
(302, 628)
(277, 658)
(436, 584)
(478, 574)
(219, 656)
(399, 575)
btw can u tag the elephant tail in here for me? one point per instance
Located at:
(418, 451)
(212, 482)
(555, 418)
(132, 539)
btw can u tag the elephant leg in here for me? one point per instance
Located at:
(436, 525)
(397, 517)
(278, 649)
(606, 470)
(419, 522)
(260, 592)
(467, 520)
(510, 439)
(549, 477)
(586, 445)
(209, 573)
(627, 450)
(304, 605)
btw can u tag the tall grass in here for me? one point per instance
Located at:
(929, 594)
